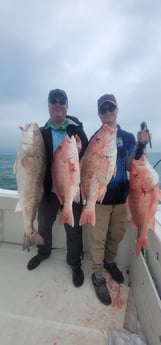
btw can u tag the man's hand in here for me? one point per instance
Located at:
(78, 142)
(144, 137)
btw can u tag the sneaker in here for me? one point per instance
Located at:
(35, 261)
(77, 277)
(114, 271)
(101, 289)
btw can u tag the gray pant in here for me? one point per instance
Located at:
(47, 214)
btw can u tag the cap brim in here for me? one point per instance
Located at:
(106, 102)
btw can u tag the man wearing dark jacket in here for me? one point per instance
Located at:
(58, 126)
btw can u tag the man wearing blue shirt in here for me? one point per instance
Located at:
(57, 127)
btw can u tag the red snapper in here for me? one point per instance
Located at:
(98, 165)
(66, 177)
(143, 198)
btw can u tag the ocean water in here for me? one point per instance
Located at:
(8, 179)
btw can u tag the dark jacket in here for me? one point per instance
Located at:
(74, 127)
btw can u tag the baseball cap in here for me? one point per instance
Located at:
(57, 94)
(106, 98)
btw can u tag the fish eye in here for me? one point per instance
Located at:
(97, 139)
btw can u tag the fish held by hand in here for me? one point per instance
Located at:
(66, 177)
(144, 194)
(97, 165)
(29, 168)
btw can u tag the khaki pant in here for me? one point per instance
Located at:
(111, 223)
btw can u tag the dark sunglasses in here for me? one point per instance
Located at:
(58, 101)
(111, 107)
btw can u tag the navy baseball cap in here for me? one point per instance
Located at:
(57, 94)
(106, 98)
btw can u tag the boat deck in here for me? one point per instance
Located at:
(43, 306)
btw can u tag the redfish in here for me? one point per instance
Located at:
(97, 167)
(66, 177)
(29, 168)
(144, 194)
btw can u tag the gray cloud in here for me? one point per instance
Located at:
(87, 48)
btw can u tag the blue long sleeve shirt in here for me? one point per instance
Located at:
(117, 189)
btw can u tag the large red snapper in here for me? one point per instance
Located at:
(29, 169)
(143, 198)
(97, 167)
(66, 177)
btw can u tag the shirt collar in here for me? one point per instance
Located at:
(63, 125)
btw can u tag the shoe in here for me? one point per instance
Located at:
(114, 271)
(101, 289)
(77, 277)
(36, 261)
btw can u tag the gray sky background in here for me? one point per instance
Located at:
(87, 48)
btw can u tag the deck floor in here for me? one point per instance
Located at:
(43, 307)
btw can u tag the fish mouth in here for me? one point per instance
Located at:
(110, 129)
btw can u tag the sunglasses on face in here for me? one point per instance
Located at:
(110, 107)
(58, 101)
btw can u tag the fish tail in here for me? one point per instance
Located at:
(66, 216)
(32, 239)
(87, 216)
(141, 243)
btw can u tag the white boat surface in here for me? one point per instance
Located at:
(43, 307)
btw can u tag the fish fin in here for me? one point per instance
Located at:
(33, 239)
(66, 216)
(152, 224)
(127, 204)
(87, 216)
(115, 170)
(84, 196)
(160, 194)
(77, 197)
(59, 198)
(18, 207)
(141, 243)
(133, 225)
(24, 162)
(72, 165)
(101, 197)
(58, 195)
(15, 167)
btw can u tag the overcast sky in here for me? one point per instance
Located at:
(87, 48)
